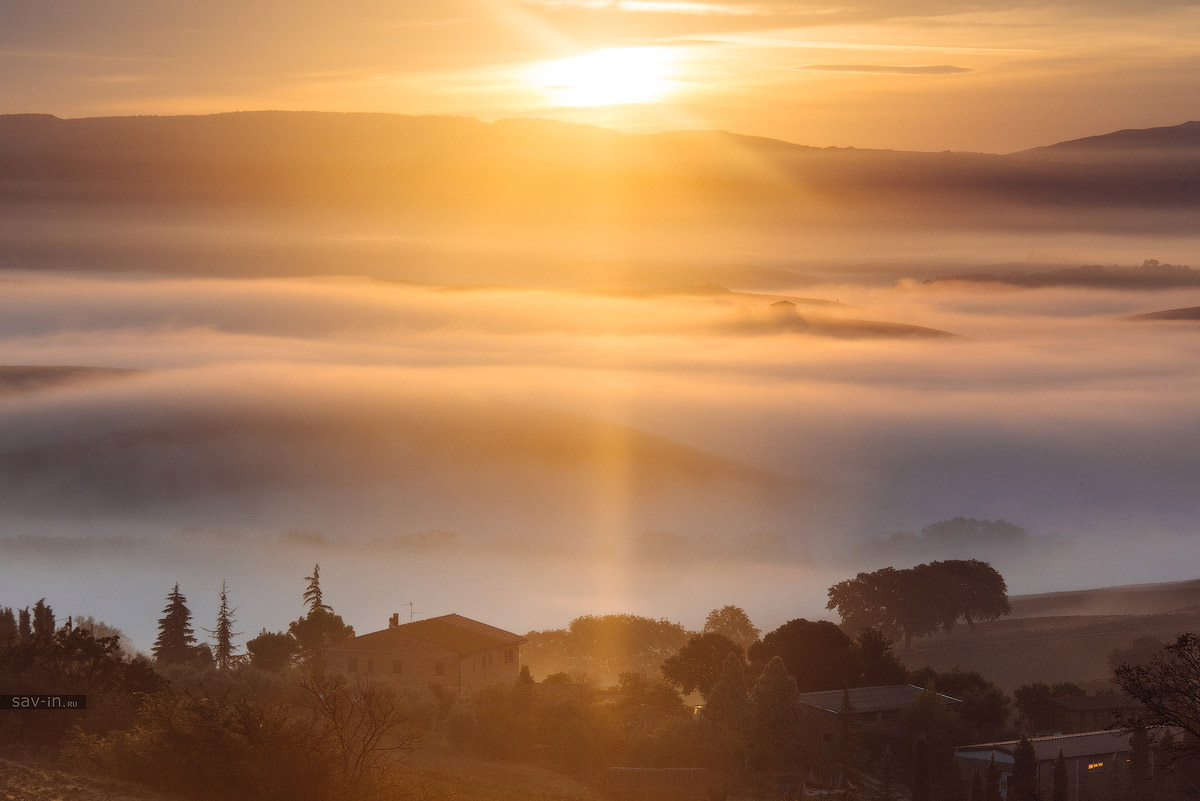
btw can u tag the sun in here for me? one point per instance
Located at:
(610, 77)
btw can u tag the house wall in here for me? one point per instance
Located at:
(412, 663)
(494, 665)
(1083, 784)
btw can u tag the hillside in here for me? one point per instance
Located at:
(1062, 636)
(516, 172)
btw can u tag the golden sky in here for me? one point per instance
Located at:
(913, 74)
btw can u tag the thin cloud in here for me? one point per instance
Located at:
(932, 69)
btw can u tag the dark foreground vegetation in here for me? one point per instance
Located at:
(200, 721)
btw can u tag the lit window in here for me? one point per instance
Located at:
(1095, 765)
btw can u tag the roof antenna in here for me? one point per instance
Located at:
(410, 611)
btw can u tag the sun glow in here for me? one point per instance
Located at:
(608, 77)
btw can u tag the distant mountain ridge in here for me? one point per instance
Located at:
(1182, 137)
(523, 171)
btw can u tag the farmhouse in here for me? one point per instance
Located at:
(1096, 761)
(455, 652)
(829, 712)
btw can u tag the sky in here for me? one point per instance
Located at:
(914, 74)
(657, 375)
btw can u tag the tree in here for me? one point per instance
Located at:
(366, 723)
(922, 599)
(1060, 778)
(732, 622)
(175, 638)
(991, 782)
(1139, 762)
(729, 702)
(1022, 786)
(1033, 702)
(24, 627)
(315, 632)
(817, 654)
(605, 646)
(776, 716)
(8, 626)
(312, 593)
(985, 707)
(1166, 686)
(976, 788)
(878, 664)
(1141, 650)
(920, 771)
(225, 652)
(698, 664)
(43, 619)
(272, 651)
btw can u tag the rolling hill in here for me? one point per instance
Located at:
(1063, 636)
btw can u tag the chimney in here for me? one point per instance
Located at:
(394, 621)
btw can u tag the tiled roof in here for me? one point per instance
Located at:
(870, 699)
(1091, 743)
(452, 632)
(1093, 702)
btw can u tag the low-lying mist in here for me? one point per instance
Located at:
(528, 454)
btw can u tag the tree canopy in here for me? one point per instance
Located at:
(698, 664)
(920, 600)
(732, 622)
(817, 654)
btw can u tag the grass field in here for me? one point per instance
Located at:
(1062, 636)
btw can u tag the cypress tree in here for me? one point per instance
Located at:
(225, 653)
(24, 629)
(1060, 777)
(43, 619)
(991, 782)
(729, 702)
(1022, 785)
(1139, 762)
(175, 638)
(920, 771)
(8, 626)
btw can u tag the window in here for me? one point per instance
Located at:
(508, 656)
(397, 666)
(439, 668)
(370, 665)
(352, 665)
(1095, 766)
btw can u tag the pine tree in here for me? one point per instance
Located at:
(24, 629)
(1060, 777)
(175, 639)
(8, 626)
(312, 594)
(225, 654)
(43, 619)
